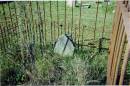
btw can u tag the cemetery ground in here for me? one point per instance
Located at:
(85, 67)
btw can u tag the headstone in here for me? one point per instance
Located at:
(64, 46)
(70, 2)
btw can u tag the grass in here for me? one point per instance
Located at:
(86, 65)
(54, 69)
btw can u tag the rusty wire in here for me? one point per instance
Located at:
(75, 32)
(54, 30)
(61, 29)
(51, 21)
(58, 17)
(96, 20)
(10, 19)
(39, 27)
(65, 18)
(83, 28)
(104, 20)
(79, 22)
(41, 23)
(31, 20)
(44, 12)
(29, 24)
(19, 31)
(6, 30)
(68, 27)
(72, 18)
(16, 22)
(3, 39)
(25, 30)
(26, 24)
(36, 30)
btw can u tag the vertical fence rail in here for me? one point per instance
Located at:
(72, 18)
(40, 25)
(80, 14)
(3, 47)
(16, 19)
(5, 29)
(44, 19)
(57, 17)
(104, 21)
(119, 48)
(10, 31)
(51, 20)
(65, 18)
(96, 19)
(30, 20)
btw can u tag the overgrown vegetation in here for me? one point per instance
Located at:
(87, 66)
(82, 68)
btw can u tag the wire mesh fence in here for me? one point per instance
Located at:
(43, 22)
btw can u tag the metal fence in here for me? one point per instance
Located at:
(43, 22)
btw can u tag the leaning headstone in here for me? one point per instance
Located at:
(64, 46)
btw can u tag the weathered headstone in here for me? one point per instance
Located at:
(64, 46)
